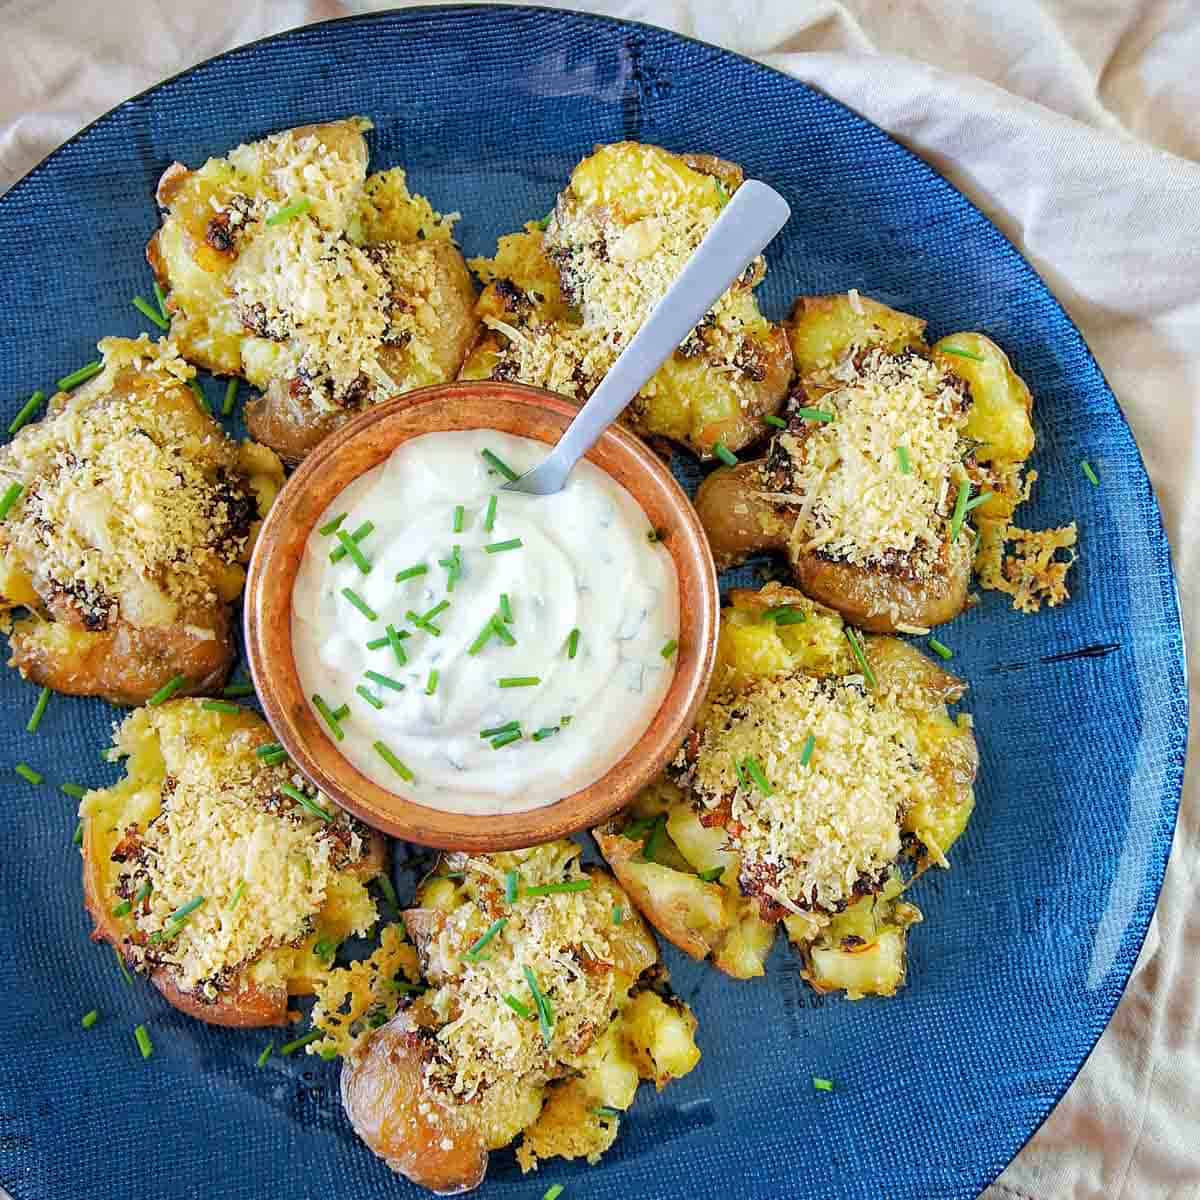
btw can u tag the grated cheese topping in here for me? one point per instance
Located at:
(1033, 574)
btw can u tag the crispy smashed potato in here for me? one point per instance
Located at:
(205, 875)
(327, 288)
(558, 306)
(801, 809)
(128, 540)
(545, 1004)
(895, 453)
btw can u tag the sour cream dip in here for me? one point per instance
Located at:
(533, 636)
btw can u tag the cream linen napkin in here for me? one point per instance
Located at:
(1073, 125)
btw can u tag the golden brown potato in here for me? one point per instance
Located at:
(560, 305)
(193, 781)
(128, 542)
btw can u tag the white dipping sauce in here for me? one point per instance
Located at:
(585, 563)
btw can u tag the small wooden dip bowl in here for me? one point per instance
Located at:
(364, 443)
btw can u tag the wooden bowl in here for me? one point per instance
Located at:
(364, 443)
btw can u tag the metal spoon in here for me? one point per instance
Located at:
(748, 222)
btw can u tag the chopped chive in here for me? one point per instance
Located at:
(412, 572)
(305, 801)
(962, 353)
(238, 893)
(384, 680)
(650, 847)
(755, 773)
(545, 732)
(290, 1048)
(824, 1085)
(267, 749)
(327, 713)
(231, 391)
(359, 603)
(12, 494)
(265, 1055)
(501, 631)
(123, 909)
(28, 774)
(905, 465)
(494, 928)
(712, 875)
(378, 643)
(339, 551)
(90, 1018)
(69, 382)
(545, 1014)
(506, 728)
(198, 392)
(976, 501)
(35, 717)
(506, 739)
(489, 517)
(162, 302)
(369, 696)
(669, 648)
(861, 655)
(438, 608)
(431, 683)
(144, 1044)
(288, 211)
(221, 706)
(511, 883)
(392, 761)
(185, 910)
(617, 915)
(275, 757)
(806, 753)
(460, 517)
(497, 463)
(775, 422)
(27, 410)
(147, 311)
(77, 837)
(389, 892)
(506, 612)
(325, 948)
(553, 1192)
(606, 1110)
(741, 774)
(814, 414)
(122, 967)
(332, 526)
(520, 1009)
(357, 557)
(483, 637)
(421, 623)
(960, 509)
(726, 455)
(516, 681)
(500, 547)
(165, 692)
(73, 790)
(572, 643)
(560, 889)
(1085, 466)
(453, 565)
(238, 689)
(785, 614)
(940, 649)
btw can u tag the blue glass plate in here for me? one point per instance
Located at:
(1081, 711)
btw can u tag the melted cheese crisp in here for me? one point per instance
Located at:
(584, 562)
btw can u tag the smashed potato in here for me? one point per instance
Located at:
(808, 779)
(128, 540)
(327, 288)
(894, 454)
(207, 875)
(560, 305)
(545, 1004)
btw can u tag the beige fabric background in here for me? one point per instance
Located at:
(1074, 126)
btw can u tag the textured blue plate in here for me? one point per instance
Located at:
(1081, 711)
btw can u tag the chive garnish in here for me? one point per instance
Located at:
(785, 614)
(221, 706)
(357, 557)
(506, 739)
(553, 1192)
(275, 757)
(960, 509)
(814, 414)
(28, 773)
(498, 464)
(27, 410)
(741, 774)
(500, 547)
(650, 847)
(806, 753)
(288, 211)
(238, 893)
(860, 654)
(501, 631)
(572, 643)
(185, 910)
(559, 889)
(332, 526)
(517, 1006)
(290, 1048)
(726, 455)
(144, 1044)
(147, 311)
(412, 572)
(494, 928)
(618, 915)
(266, 1054)
(489, 517)
(669, 648)
(339, 551)
(327, 712)
(325, 948)
(165, 692)
(902, 456)
(453, 565)
(238, 689)
(431, 683)
(940, 649)
(516, 681)
(35, 717)
(231, 391)
(305, 801)
(511, 883)
(73, 790)
(755, 773)
(396, 641)
(69, 382)
(1085, 466)
(392, 761)
(341, 712)
(438, 608)
(506, 728)
(198, 392)
(823, 1085)
(976, 501)
(712, 875)
(482, 638)
(423, 623)
(544, 1011)
(12, 494)
(606, 1110)
(379, 642)
(122, 967)
(162, 302)
(384, 680)
(775, 422)
(123, 909)
(962, 353)
(460, 516)
(506, 612)
(77, 836)
(267, 749)
(359, 603)
(369, 696)
(545, 732)
(90, 1018)
(385, 885)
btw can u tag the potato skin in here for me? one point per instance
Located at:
(739, 523)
